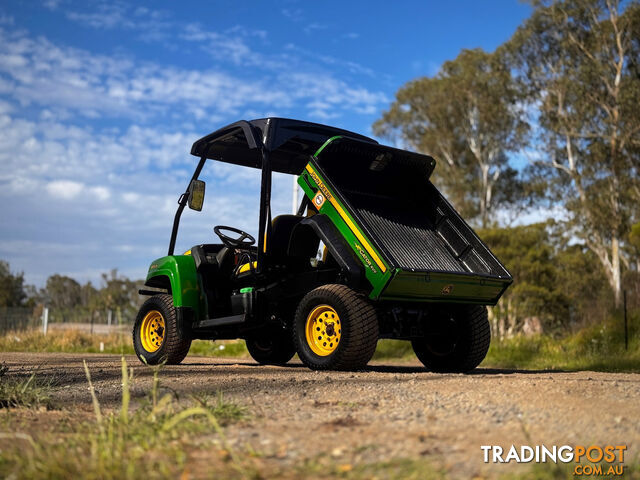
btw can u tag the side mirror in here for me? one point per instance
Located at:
(196, 195)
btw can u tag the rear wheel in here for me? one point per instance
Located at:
(157, 337)
(271, 347)
(335, 328)
(456, 340)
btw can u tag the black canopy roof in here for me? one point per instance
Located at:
(290, 142)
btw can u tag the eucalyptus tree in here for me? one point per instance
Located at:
(12, 287)
(467, 116)
(578, 63)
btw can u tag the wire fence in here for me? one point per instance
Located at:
(18, 319)
(15, 319)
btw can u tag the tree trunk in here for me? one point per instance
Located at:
(609, 256)
(484, 195)
(616, 274)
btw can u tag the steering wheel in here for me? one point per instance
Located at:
(243, 241)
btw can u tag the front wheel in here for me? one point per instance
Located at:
(157, 337)
(335, 328)
(455, 340)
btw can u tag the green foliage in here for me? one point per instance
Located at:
(634, 239)
(63, 292)
(207, 348)
(599, 348)
(467, 116)
(12, 288)
(559, 283)
(73, 302)
(119, 293)
(393, 349)
(529, 255)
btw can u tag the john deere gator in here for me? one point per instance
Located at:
(374, 251)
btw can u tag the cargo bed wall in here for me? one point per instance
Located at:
(436, 254)
(425, 234)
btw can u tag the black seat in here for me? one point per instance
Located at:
(279, 248)
(281, 228)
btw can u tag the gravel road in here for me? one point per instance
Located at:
(388, 411)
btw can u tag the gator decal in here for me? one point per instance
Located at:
(365, 258)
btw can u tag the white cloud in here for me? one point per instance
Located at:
(64, 79)
(101, 193)
(150, 24)
(351, 66)
(66, 189)
(314, 27)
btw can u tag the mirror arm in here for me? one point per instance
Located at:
(182, 202)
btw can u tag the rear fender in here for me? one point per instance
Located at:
(177, 273)
(321, 227)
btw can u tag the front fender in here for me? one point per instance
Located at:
(183, 280)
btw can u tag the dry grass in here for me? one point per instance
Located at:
(151, 441)
(31, 392)
(76, 341)
(68, 341)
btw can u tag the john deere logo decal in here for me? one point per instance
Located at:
(319, 200)
(447, 289)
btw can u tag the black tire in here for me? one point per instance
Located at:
(461, 342)
(271, 347)
(175, 341)
(359, 329)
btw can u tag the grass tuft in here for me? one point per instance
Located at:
(152, 441)
(32, 392)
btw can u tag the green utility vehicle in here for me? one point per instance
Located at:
(374, 251)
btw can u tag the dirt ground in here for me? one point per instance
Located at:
(387, 412)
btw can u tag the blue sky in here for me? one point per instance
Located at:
(100, 102)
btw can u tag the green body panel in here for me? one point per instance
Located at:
(443, 287)
(185, 284)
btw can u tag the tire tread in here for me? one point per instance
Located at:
(361, 343)
(176, 343)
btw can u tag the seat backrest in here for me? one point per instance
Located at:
(281, 228)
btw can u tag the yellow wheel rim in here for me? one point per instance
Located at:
(152, 331)
(323, 330)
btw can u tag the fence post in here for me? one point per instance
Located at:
(45, 320)
(109, 317)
